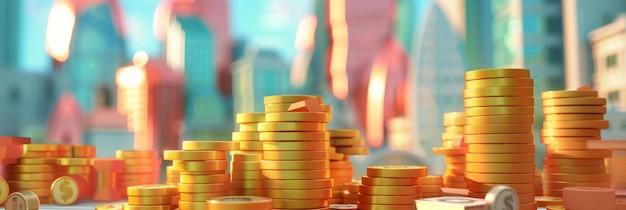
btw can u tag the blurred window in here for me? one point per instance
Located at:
(532, 24)
(14, 95)
(555, 55)
(554, 25)
(611, 61)
(552, 1)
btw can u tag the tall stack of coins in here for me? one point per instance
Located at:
(572, 117)
(499, 117)
(247, 179)
(348, 142)
(172, 176)
(431, 186)
(248, 135)
(295, 161)
(391, 187)
(36, 169)
(538, 183)
(11, 148)
(139, 168)
(202, 166)
(154, 196)
(454, 153)
(340, 173)
(351, 192)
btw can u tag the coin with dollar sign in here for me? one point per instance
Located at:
(502, 197)
(66, 190)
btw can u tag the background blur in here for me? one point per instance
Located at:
(124, 74)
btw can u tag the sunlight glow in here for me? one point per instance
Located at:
(339, 53)
(59, 30)
(376, 103)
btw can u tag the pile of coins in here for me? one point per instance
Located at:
(295, 161)
(202, 166)
(248, 135)
(351, 192)
(140, 168)
(67, 190)
(499, 110)
(348, 142)
(79, 165)
(155, 196)
(572, 117)
(172, 176)
(454, 153)
(391, 187)
(247, 179)
(239, 202)
(431, 186)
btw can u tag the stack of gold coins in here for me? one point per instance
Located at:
(202, 166)
(538, 183)
(295, 161)
(11, 148)
(431, 186)
(154, 196)
(239, 202)
(296, 103)
(77, 167)
(391, 187)
(348, 142)
(572, 117)
(499, 118)
(351, 192)
(139, 169)
(246, 177)
(172, 176)
(248, 135)
(340, 172)
(454, 153)
(37, 169)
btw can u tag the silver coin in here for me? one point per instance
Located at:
(502, 197)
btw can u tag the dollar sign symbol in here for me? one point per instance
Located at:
(508, 202)
(66, 191)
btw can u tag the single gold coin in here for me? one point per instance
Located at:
(291, 126)
(296, 146)
(555, 207)
(399, 171)
(569, 94)
(4, 190)
(357, 150)
(336, 173)
(46, 147)
(129, 154)
(251, 145)
(600, 153)
(247, 192)
(249, 127)
(247, 184)
(30, 168)
(568, 139)
(295, 136)
(500, 119)
(573, 117)
(500, 158)
(561, 177)
(191, 205)
(485, 187)
(431, 188)
(201, 197)
(298, 184)
(579, 132)
(207, 165)
(499, 129)
(300, 194)
(337, 142)
(340, 164)
(66, 190)
(500, 148)
(574, 110)
(344, 133)
(152, 190)
(589, 101)
(26, 200)
(127, 206)
(379, 181)
(246, 175)
(193, 155)
(518, 178)
(576, 169)
(321, 117)
(149, 200)
(453, 118)
(449, 151)
(387, 199)
(113, 206)
(73, 161)
(503, 110)
(573, 161)
(203, 188)
(296, 174)
(499, 82)
(246, 136)
(567, 145)
(500, 167)
(250, 117)
(289, 99)
(36, 161)
(598, 124)
(496, 73)
(32, 177)
(454, 129)
(295, 165)
(498, 92)
(430, 180)
(240, 203)
(247, 157)
(295, 155)
(389, 190)
(210, 145)
(28, 184)
(499, 139)
(300, 204)
(551, 184)
(452, 159)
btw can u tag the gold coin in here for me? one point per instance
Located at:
(519, 178)
(570, 132)
(573, 161)
(66, 190)
(247, 184)
(550, 184)
(296, 174)
(567, 139)
(130, 154)
(569, 94)
(499, 82)
(485, 187)
(295, 165)
(240, 203)
(337, 142)
(336, 156)
(453, 118)
(152, 190)
(208, 165)
(202, 188)
(251, 145)
(247, 192)
(83, 151)
(298, 184)
(246, 136)
(295, 136)
(598, 124)
(292, 126)
(295, 155)
(500, 119)
(30, 168)
(359, 150)
(340, 165)
(389, 190)
(344, 133)
(555, 207)
(36, 161)
(22, 201)
(602, 177)
(210, 145)
(300, 204)
(4, 190)
(499, 139)
(149, 200)
(450, 151)
(127, 206)
(193, 155)
(574, 117)
(298, 117)
(432, 188)
(73, 161)
(594, 101)
(500, 158)
(138, 169)
(365, 206)
(499, 129)
(284, 107)
(504, 110)
(382, 199)
(44, 147)
(32, 177)
(49, 154)
(400, 171)
(500, 148)
(455, 129)
(496, 73)
(289, 99)
(574, 110)
(246, 165)
(575, 169)
(114, 206)
(249, 127)
(250, 117)
(498, 92)
(246, 175)
(296, 146)
(27, 184)
(604, 153)
(201, 197)
(191, 205)
(566, 145)
(500, 167)
(136, 162)
(452, 159)
(247, 157)
(341, 173)
(429, 180)
(300, 194)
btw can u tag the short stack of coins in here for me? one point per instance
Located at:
(248, 135)
(154, 196)
(25, 200)
(391, 187)
(139, 168)
(78, 164)
(246, 176)
(499, 118)
(351, 192)
(454, 153)
(295, 162)
(348, 142)
(202, 166)
(11, 148)
(431, 186)
(37, 169)
(538, 183)
(340, 173)
(172, 176)
(572, 117)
